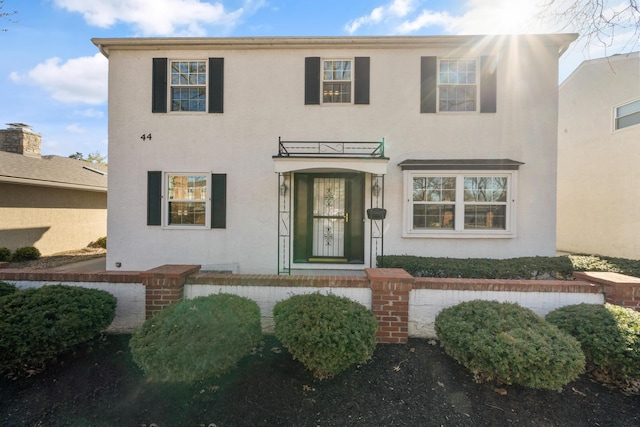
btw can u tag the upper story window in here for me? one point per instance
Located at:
(188, 85)
(627, 115)
(457, 88)
(336, 81)
(454, 85)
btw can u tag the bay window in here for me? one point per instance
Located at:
(460, 203)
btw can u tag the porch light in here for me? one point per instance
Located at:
(283, 189)
(375, 189)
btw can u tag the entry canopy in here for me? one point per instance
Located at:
(331, 156)
(293, 164)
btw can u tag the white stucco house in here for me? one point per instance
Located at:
(598, 158)
(276, 155)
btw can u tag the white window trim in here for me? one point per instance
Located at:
(615, 116)
(165, 202)
(322, 82)
(439, 84)
(460, 232)
(206, 86)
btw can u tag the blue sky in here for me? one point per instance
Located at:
(53, 78)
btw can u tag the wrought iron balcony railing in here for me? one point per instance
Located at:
(331, 149)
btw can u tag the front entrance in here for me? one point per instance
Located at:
(329, 218)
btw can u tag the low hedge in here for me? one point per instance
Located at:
(26, 253)
(7, 288)
(197, 338)
(5, 254)
(609, 336)
(36, 325)
(481, 268)
(629, 267)
(326, 333)
(510, 344)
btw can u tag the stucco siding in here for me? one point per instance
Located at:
(51, 219)
(264, 100)
(598, 211)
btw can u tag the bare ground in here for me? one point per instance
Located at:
(61, 258)
(402, 385)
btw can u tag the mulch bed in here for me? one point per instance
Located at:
(402, 385)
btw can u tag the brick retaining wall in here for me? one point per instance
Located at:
(403, 305)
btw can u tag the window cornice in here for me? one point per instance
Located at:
(460, 164)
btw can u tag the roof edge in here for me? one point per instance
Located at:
(105, 45)
(41, 183)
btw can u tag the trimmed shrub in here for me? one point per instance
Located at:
(197, 338)
(7, 288)
(482, 268)
(509, 343)
(630, 267)
(609, 336)
(36, 325)
(5, 255)
(26, 253)
(101, 242)
(326, 333)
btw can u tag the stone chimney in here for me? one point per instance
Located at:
(20, 139)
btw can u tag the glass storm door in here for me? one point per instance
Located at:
(329, 218)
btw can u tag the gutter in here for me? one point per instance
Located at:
(52, 184)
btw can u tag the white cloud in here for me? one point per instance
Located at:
(160, 17)
(75, 128)
(90, 113)
(479, 17)
(426, 19)
(391, 11)
(78, 81)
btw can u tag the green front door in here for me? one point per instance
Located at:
(329, 218)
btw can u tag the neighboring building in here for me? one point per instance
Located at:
(53, 203)
(265, 155)
(599, 158)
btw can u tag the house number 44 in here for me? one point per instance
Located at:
(145, 137)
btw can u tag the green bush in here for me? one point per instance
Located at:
(101, 242)
(326, 333)
(36, 325)
(26, 253)
(197, 338)
(609, 336)
(5, 255)
(481, 268)
(7, 288)
(509, 343)
(629, 267)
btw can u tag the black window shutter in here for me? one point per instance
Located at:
(312, 80)
(154, 197)
(219, 200)
(216, 85)
(428, 83)
(159, 86)
(488, 84)
(361, 82)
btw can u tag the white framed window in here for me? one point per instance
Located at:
(187, 199)
(337, 79)
(452, 204)
(188, 85)
(457, 85)
(627, 115)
